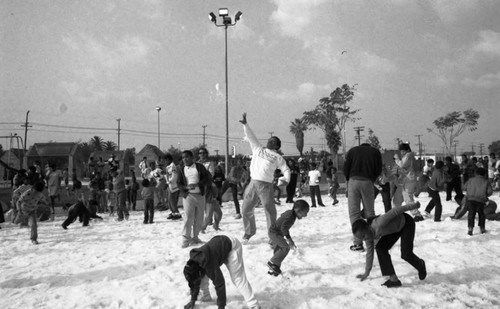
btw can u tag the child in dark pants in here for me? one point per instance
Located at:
(381, 233)
(281, 230)
(435, 184)
(79, 210)
(148, 194)
(478, 189)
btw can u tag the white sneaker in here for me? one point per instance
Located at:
(426, 214)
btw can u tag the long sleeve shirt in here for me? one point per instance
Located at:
(210, 257)
(264, 161)
(363, 162)
(437, 181)
(478, 189)
(390, 222)
(284, 223)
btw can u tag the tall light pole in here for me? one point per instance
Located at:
(226, 22)
(158, 109)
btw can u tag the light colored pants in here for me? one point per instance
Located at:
(405, 193)
(360, 191)
(194, 210)
(236, 268)
(255, 191)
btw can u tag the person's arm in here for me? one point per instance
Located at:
(370, 248)
(286, 171)
(249, 135)
(220, 288)
(395, 212)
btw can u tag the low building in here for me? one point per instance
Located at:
(151, 152)
(63, 155)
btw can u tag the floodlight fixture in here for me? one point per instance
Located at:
(237, 16)
(212, 17)
(223, 12)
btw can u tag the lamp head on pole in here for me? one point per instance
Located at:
(223, 12)
(158, 108)
(212, 17)
(237, 16)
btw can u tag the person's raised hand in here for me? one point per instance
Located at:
(244, 118)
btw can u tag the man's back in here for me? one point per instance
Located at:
(364, 162)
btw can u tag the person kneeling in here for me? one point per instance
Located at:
(204, 263)
(382, 232)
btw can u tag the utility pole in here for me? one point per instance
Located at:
(204, 126)
(481, 145)
(472, 148)
(26, 126)
(119, 119)
(358, 132)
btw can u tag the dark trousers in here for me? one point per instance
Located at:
(290, 190)
(454, 185)
(133, 198)
(149, 210)
(314, 190)
(434, 202)
(173, 200)
(386, 242)
(234, 191)
(475, 207)
(386, 195)
(78, 210)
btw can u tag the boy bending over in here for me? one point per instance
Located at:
(382, 232)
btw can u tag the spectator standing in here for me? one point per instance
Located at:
(314, 178)
(362, 167)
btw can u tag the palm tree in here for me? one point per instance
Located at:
(297, 128)
(97, 143)
(110, 146)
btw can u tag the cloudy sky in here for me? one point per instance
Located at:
(78, 66)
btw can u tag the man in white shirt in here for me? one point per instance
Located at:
(265, 160)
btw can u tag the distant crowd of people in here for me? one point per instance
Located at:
(198, 184)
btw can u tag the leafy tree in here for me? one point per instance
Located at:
(86, 150)
(452, 125)
(331, 115)
(97, 143)
(494, 148)
(297, 128)
(110, 146)
(373, 140)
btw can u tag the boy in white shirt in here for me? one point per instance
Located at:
(314, 177)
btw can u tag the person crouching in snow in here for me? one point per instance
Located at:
(281, 230)
(204, 263)
(382, 232)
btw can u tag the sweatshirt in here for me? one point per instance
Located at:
(210, 257)
(391, 222)
(284, 223)
(264, 161)
(478, 189)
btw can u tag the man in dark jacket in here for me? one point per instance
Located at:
(452, 172)
(204, 263)
(362, 167)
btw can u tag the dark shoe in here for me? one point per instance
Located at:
(313, 206)
(151, 222)
(392, 284)
(321, 205)
(483, 230)
(35, 242)
(64, 226)
(171, 216)
(437, 220)
(469, 233)
(418, 218)
(335, 202)
(177, 217)
(273, 267)
(145, 222)
(422, 273)
(357, 248)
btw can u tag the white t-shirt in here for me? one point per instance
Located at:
(314, 176)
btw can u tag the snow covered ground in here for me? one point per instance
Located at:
(131, 265)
